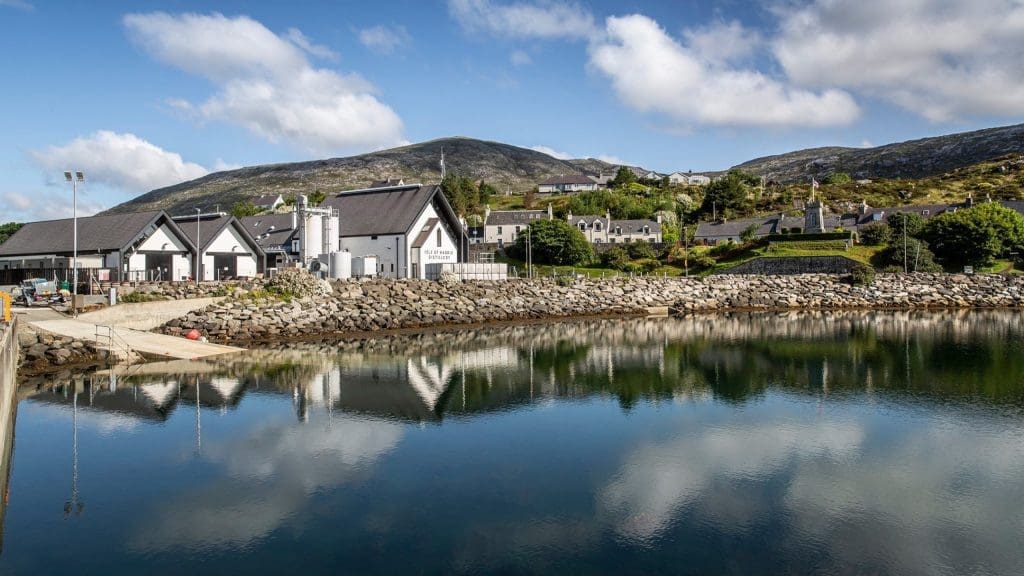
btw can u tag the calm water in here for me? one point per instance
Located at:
(888, 443)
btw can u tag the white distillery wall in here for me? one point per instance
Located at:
(389, 250)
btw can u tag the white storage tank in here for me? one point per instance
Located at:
(341, 265)
(311, 238)
(364, 266)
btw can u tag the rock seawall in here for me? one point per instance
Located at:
(395, 304)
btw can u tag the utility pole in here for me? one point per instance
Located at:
(904, 244)
(199, 255)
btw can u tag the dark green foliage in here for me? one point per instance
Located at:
(645, 265)
(640, 250)
(838, 178)
(615, 257)
(728, 196)
(913, 221)
(462, 193)
(749, 233)
(316, 198)
(623, 178)
(862, 275)
(875, 234)
(7, 230)
(243, 209)
(554, 242)
(976, 235)
(919, 257)
(619, 204)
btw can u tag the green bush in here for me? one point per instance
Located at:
(640, 250)
(875, 234)
(862, 275)
(554, 242)
(615, 257)
(722, 248)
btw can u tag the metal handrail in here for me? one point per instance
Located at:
(114, 338)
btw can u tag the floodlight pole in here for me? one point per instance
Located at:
(74, 177)
(199, 256)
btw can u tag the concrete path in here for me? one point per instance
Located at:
(139, 341)
(146, 315)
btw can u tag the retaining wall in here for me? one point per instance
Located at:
(795, 265)
(393, 304)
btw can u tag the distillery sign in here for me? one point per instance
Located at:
(438, 255)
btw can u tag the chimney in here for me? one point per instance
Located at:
(569, 216)
(970, 200)
(863, 207)
(551, 213)
(607, 216)
(487, 212)
(295, 218)
(659, 218)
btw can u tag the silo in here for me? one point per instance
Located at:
(312, 235)
(331, 239)
(341, 265)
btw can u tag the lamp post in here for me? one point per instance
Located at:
(75, 178)
(199, 252)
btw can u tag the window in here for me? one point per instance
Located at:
(618, 230)
(499, 230)
(924, 212)
(583, 226)
(517, 228)
(597, 225)
(647, 230)
(438, 237)
(373, 237)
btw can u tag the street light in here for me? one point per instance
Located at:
(199, 251)
(75, 178)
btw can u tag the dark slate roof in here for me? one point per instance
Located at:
(1017, 205)
(588, 218)
(505, 217)
(385, 211)
(567, 179)
(266, 200)
(106, 233)
(635, 226)
(425, 233)
(270, 231)
(211, 226)
(924, 210)
(387, 182)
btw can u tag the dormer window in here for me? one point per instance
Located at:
(597, 225)
(924, 212)
(583, 226)
(618, 230)
(647, 230)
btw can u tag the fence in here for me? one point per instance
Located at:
(88, 278)
(469, 271)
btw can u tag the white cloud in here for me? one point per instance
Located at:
(937, 58)
(865, 143)
(384, 40)
(19, 4)
(520, 58)
(613, 160)
(220, 165)
(122, 161)
(721, 43)
(652, 72)
(552, 152)
(295, 36)
(266, 82)
(48, 205)
(545, 20)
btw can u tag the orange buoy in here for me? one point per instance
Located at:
(192, 334)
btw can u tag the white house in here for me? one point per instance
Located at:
(604, 230)
(268, 201)
(501, 227)
(113, 247)
(676, 178)
(698, 180)
(569, 183)
(406, 227)
(226, 249)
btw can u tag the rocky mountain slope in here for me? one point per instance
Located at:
(504, 166)
(911, 159)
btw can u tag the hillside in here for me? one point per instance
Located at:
(912, 159)
(504, 166)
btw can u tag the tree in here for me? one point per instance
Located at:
(462, 193)
(7, 230)
(316, 198)
(727, 196)
(749, 233)
(244, 208)
(640, 250)
(529, 197)
(913, 221)
(875, 234)
(838, 178)
(918, 257)
(976, 235)
(554, 242)
(623, 178)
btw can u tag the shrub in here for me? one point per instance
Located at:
(722, 248)
(615, 257)
(862, 275)
(640, 250)
(876, 234)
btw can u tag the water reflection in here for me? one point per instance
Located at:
(800, 442)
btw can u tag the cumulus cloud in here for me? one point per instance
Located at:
(122, 161)
(552, 152)
(544, 20)
(520, 58)
(19, 4)
(691, 84)
(383, 39)
(48, 205)
(266, 82)
(295, 36)
(937, 58)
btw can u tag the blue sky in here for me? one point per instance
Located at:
(146, 94)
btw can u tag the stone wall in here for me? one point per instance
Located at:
(43, 351)
(795, 265)
(369, 306)
(8, 361)
(185, 290)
